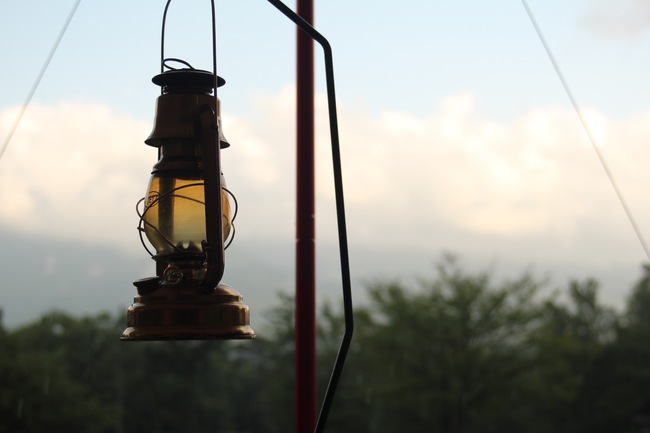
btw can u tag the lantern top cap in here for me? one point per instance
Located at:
(194, 79)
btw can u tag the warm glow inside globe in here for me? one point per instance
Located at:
(174, 214)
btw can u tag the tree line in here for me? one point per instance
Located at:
(454, 353)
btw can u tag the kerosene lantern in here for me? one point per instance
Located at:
(186, 216)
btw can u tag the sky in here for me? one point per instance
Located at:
(457, 137)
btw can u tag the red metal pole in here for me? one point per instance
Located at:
(305, 357)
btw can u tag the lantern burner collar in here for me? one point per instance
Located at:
(182, 79)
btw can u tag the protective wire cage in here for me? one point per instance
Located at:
(145, 205)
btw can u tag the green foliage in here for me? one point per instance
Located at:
(616, 394)
(456, 353)
(53, 378)
(451, 352)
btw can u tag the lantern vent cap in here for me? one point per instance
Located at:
(187, 79)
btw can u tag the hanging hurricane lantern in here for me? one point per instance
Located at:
(187, 217)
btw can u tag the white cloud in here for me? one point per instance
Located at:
(74, 171)
(528, 191)
(454, 169)
(623, 18)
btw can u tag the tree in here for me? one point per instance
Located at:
(44, 387)
(447, 356)
(569, 339)
(457, 353)
(617, 386)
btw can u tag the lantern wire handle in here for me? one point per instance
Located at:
(206, 119)
(340, 212)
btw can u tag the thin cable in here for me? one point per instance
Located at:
(38, 79)
(585, 126)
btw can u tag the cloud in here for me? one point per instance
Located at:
(624, 18)
(74, 171)
(527, 191)
(415, 179)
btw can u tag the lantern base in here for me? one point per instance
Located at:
(188, 314)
